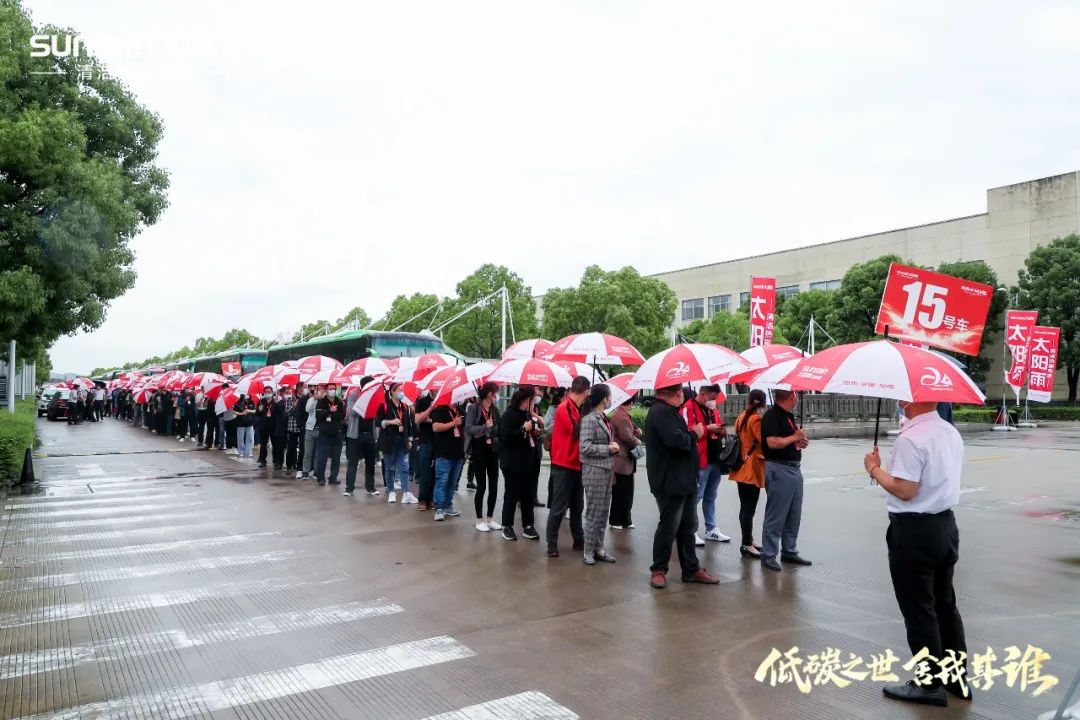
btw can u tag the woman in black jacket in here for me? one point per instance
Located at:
(395, 440)
(518, 437)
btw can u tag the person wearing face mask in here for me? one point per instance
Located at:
(307, 469)
(923, 486)
(191, 414)
(264, 418)
(359, 443)
(395, 423)
(568, 495)
(518, 438)
(671, 459)
(294, 442)
(279, 428)
(538, 447)
(425, 455)
(329, 422)
(701, 410)
(481, 444)
(244, 410)
(596, 440)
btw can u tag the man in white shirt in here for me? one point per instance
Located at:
(99, 403)
(923, 483)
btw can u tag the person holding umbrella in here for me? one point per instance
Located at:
(395, 442)
(329, 421)
(624, 464)
(518, 438)
(923, 486)
(750, 476)
(244, 410)
(481, 438)
(782, 443)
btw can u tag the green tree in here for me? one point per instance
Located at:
(405, 308)
(854, 316)
(794, 313)
(1050, 283)
(732, 330)
(622, 303)
(77, 183)
(978, 271)
(311, 329)
(357, 316)
(478, 333)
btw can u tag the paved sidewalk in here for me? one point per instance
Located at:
(145, 579)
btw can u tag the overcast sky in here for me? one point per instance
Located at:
(330, 154)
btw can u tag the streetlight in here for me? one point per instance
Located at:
(1005, 424)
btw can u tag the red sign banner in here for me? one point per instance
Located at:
(762, 310)
(230, 369)
(930, 308)
(1043, 358)
(1019, 325)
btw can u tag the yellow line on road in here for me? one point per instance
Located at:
(991, 458)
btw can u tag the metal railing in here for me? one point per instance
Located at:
(822, 408)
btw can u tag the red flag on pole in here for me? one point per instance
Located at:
(1018, 327)
(1043, 358)
(762, 310)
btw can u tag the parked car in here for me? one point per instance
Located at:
(57, 407)
(44, 396)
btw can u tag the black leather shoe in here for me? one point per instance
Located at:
(771, 564)
(796, 560)
(912, 693)
(956, 691)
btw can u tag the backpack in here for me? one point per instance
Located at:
(732, 456)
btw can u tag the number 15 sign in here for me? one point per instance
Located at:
(939, 310)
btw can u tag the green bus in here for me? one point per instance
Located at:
(247, 360)
(348, 345)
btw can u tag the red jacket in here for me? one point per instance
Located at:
(693, 413)
(565, 451)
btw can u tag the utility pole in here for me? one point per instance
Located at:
(812, 323)
(11, 378)
(504, 301)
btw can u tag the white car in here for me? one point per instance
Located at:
(46, 394)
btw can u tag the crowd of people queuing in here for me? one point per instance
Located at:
(593, 448)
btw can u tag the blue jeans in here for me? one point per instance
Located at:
(221, 432)
(708, 480)
(245, 438)
(395, 464)
(447, 475)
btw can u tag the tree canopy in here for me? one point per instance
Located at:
(78, 181)
(794, 313)
(479, 332)
(404, 310)
(1050, 283)
(621, 302)
(978, 271)
(732, 330)
(854, 316)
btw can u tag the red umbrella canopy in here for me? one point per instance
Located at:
(530, 372)
(373, 396)
(525, 349)
(252, 386)
(456, 388)
(688, 363)
(763, 356)
(82, 382)
(885, 369)
(413, 369)
(369, 366)
(619, 392)
(596, 348)
(308, 366)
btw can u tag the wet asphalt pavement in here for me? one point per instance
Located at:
(144, 579)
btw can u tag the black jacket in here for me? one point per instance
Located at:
(515, 452)
(671, 452)
(300, 411)
(388, 435)
(329, 422)
(272, 419)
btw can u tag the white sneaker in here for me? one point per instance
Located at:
(391, 498)
(492, 525)
(717, 536)
(698, 541)
(482, 527)
(372, 493)
(409, 499)
(299, 475)
(180, 439)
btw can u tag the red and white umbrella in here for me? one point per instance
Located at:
(596, 348)
(82, 382)
(214, 391)
(456, 388)
(373, 396)
(413, 369)
(530, 372)
(619, 392)
(764, 356)
(204, 381)
(688, 363)
(177, 382)
(473, 373)
(576, 368)
(525, 349)
(267, 372)
(885, 369)
(251, 386)
(771, 378)
(225, 401)
(368, 367)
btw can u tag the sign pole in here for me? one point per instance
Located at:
(1005, 423)
(877, 413)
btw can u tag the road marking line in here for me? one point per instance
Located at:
(220, 695)
(104, 535)
(141, 571)
(90, 470)
(990, 458)
(84, 500)
(124, 603)
(30, 663)
(209, 542)
(523, 706)
(78, 512)
(109, 521)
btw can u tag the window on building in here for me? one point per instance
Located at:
(744, 299)
(719, 303)
(826, 285)
(693, 309)
(787, 291)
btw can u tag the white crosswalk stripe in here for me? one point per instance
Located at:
(172, 545)
(523, 706)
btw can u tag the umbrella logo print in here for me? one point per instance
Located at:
(934, 378)
(679, 369)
